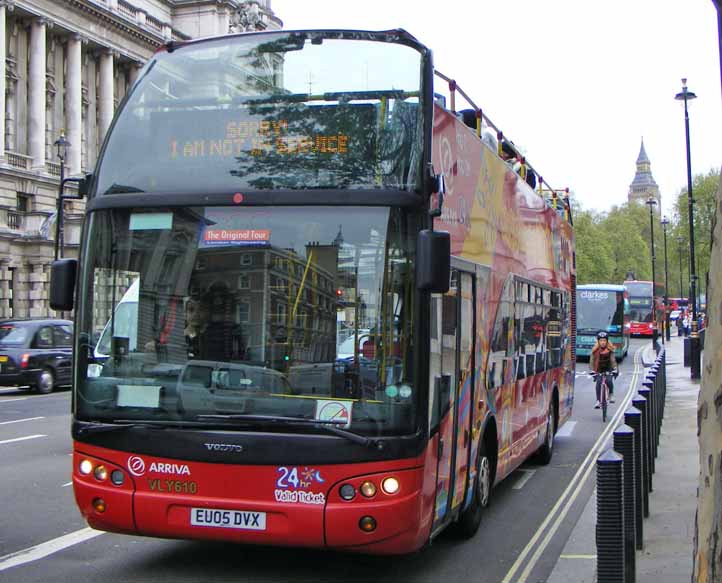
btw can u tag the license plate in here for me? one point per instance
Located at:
(3, 358)
(217, 518)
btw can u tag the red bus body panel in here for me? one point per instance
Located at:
(158, 502)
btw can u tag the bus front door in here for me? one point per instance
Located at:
(452, 375)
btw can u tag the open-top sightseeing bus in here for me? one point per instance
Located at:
(313, 307)
(602, 307)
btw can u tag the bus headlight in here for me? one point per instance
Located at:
(390, 485)
(85, 467)
(368, 489)
(100, 473)
(347, 492)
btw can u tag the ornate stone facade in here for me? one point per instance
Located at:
(68, 64)
(643, 186)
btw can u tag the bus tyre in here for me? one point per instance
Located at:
(545, 452)
(470, 518)
(45, 382)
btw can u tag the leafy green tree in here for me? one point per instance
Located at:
(704, 189)
(595, 262)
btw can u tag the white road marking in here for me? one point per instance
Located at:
(66, 485)
(21, 438)
(11, 400)
(575, 486)
(47, 548)
(566, 430)
(523, 479)
(21, 420)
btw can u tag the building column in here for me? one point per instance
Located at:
(105, 93)
(36, 93)
(73, 105)
(3, 33)
(133, 74)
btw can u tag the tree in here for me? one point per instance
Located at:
(708, 534)
(704, 189)
(595, 262)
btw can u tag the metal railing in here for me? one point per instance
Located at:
(556, 198)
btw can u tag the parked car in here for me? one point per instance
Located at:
(674, 314)
(36, 353)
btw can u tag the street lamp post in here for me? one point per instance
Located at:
(685, 95)
(652, 202)
(667, 333)
(680, 240)
(61, 148)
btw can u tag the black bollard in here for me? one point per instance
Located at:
(650, 385)
(624, 445)
(633, 419)
(647, 394)
(610, 518)
(640, 403)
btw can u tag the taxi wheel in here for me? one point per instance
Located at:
(46, 381)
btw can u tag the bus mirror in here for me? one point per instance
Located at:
(84, 185)
(433, 258)
(62, 284)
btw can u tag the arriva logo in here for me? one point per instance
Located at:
(161, 468)
(136, 465)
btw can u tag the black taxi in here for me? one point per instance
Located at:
(36, 353)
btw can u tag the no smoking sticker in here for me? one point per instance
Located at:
(339, 411)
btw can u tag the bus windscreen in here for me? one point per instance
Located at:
(599, 310)
(295, 112)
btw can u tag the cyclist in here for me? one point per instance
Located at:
(602, 360)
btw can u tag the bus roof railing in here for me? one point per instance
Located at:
(557, 198)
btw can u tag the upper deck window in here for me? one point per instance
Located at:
(278, 110)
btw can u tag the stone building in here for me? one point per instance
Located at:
(68, 64)
(643, 186)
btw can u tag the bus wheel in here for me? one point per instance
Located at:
(470, 518)
(545, 452)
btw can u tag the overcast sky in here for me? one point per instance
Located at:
(575, 84)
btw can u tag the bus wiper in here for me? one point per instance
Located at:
(122, 189)
(326, 424)
(122, 424)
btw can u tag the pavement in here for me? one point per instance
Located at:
(669, 529)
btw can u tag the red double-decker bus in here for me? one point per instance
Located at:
(646, 306)
(290, 330)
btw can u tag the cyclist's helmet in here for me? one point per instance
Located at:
(601, 335)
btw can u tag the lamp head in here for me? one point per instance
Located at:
(652, 202)
(685, 94)
(665, 221)
(61, 146)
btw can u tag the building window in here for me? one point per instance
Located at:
(281, 313)
(246, 259)
(244, 282)
(24, 203)
(244, 312)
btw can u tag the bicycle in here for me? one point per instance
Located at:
(604, 391)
